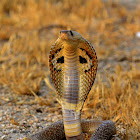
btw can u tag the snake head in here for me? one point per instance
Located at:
(70, 36)
(73, 66)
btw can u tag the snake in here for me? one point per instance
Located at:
(73, 66)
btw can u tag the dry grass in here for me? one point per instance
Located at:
(23, 63)
(118, 99)
(30, 27)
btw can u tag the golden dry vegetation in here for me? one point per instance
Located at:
(28, 28)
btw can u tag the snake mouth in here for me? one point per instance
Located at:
(65, 34)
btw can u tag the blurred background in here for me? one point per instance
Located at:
(28, 28)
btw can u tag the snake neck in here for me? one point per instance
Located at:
(72, 125)
(71, 117)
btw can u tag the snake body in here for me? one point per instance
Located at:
(73, 66)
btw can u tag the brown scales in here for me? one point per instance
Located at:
(87, 67)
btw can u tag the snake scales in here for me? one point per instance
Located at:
(73, 66)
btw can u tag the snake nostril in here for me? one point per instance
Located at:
(63, 31)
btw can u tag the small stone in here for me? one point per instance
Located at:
(38, 110)
(138, 34)
(14, 131)
(4, 137)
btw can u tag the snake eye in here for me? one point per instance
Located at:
(60, 60)
(71, 32)
(82, 59)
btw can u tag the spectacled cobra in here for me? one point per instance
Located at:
(73, 66)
